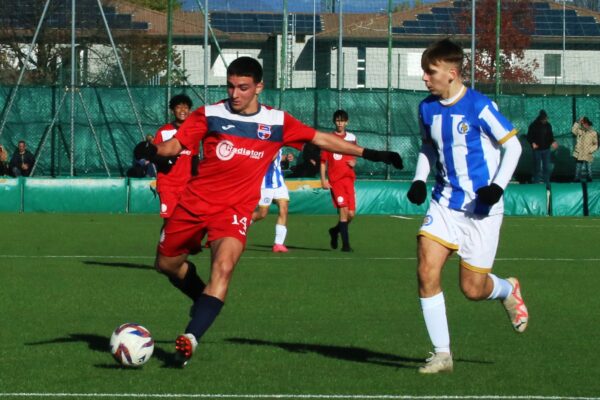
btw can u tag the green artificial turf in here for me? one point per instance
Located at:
(312, 323)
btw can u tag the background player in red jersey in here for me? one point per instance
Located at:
(171, 181)
(240, 138)
(340, 170)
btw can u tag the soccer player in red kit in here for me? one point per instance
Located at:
(240, 138)
(170, 182)
(340, 170)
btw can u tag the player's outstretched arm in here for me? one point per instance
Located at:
(335, 144)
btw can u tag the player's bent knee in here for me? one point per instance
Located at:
(472, 292)
(169, 265)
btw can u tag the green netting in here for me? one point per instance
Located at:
(117, 130)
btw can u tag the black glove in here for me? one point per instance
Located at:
(145, 150)
(164, 164)
(490, 194)
(417, 192)
(195, 161)
(388, 157)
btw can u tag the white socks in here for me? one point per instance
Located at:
(280, 232)
(434, 312)
(502, 288)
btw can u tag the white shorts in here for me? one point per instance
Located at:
(268, 195)
(474, 236)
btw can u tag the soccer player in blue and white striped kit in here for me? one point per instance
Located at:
(463, 133)
(273, 188)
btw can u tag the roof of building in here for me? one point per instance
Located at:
(414, 25)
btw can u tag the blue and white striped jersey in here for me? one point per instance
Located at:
(467, 134)
(274, 177)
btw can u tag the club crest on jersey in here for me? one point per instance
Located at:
(428, 220)
(264, 131)
(463, 127)
(337, 156)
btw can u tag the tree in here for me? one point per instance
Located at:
(142, 58)
(517, 25)
(144, 62)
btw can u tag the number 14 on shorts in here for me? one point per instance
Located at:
(243, 222)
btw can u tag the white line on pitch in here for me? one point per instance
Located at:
(287, 257)
(291, 396)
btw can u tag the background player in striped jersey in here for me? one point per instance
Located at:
(240, 137)
(340, 170)
(462, 134)
(171, 181)
(273, 189)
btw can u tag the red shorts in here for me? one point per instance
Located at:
(183, 232)
(343, 194)
(168, 202)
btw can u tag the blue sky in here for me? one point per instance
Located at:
(349, 6)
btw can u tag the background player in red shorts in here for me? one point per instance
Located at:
(240, 138)
(171, 181)
(340, 170)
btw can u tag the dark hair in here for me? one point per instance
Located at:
(340, 114)
(180, 99)
(443, 50)
(542, 116)
(587, 121)
(246, 66)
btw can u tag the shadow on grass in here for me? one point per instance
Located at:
(268, 248)
(347, 353)
(119, 264)
(102, 344)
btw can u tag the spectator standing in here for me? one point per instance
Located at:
(541, 139)
(586, 143)
(21, 161)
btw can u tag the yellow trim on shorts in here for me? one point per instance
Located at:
(510, 134)
(470, 267)
(448, 245)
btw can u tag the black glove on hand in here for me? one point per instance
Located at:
(195, 162)
(164, 164)
(417, 192)
(388, 157)
(145, 150)
(490, 194)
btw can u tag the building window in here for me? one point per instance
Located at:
(361, 67)
(552, 66)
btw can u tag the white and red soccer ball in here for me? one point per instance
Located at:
(131, 345)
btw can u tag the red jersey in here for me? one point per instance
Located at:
(337, 164)
(176, 179)
(237, 151)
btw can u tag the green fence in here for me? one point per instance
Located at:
(374, 197)
(107, 127)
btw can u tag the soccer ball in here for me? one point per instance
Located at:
(131, 345)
